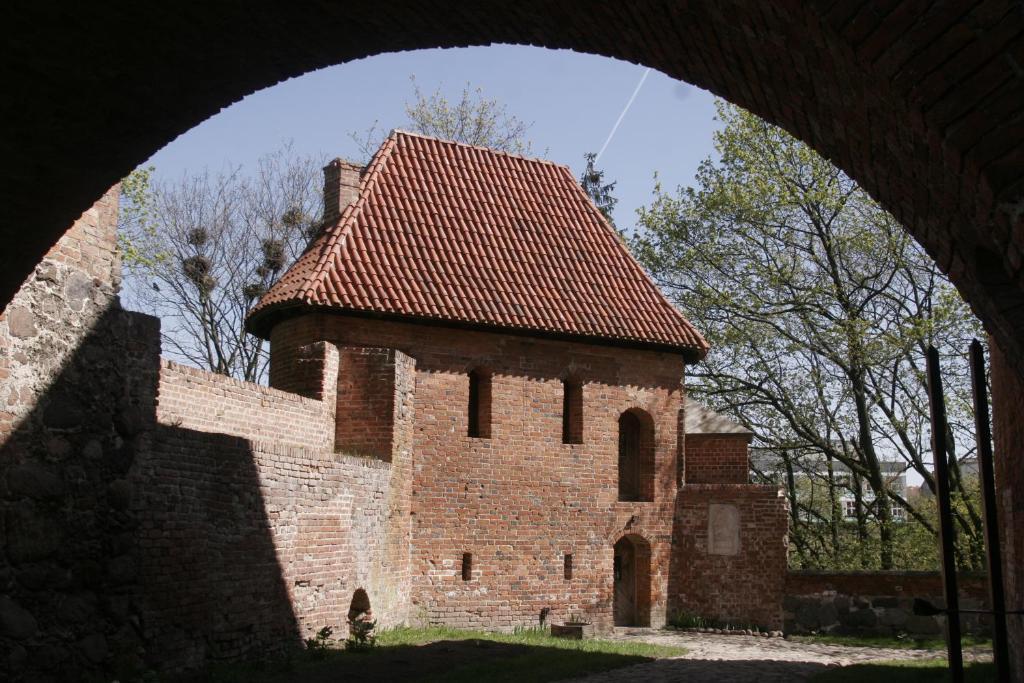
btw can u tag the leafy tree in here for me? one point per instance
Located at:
(819, 308)
(201, 251)
(137, 246)
(474, 119)
(592, 181)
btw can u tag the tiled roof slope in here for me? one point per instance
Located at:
(461, 234)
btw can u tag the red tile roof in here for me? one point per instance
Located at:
(457, 234)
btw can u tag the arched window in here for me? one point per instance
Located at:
(572, 411)
(479, 404)
(636, 456)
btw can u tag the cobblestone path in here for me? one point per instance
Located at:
(746, 659)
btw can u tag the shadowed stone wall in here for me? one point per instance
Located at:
(878, 603)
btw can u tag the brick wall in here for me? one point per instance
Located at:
(366, 402)
(877, 603)
(1008, 432)
(247, 545)
(742, 582)
(520, 500)
(254, 533)
(202, 401)
(717, 459)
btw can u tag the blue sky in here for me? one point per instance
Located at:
(572, 100)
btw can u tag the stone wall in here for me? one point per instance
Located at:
(729, 554)
(877, 603)
(77, 383)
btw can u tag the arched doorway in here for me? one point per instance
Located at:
(636, 456)
(360, 605)
(631, 573)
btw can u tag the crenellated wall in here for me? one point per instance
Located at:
(255, 530)
(194, 399)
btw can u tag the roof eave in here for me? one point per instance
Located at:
(262, 321)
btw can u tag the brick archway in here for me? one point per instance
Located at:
(919, 103)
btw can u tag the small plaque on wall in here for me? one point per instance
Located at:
(723, 529)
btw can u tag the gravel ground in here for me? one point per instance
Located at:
(741, 659)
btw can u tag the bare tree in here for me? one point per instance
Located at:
(201, 251)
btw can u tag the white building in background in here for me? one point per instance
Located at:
(813, 469)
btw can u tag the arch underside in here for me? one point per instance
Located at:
(918, 102)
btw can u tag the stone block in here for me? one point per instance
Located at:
(34, 480)
(38, 576)
(859, 619)
(15, 621)
(32, 533)
(923, 626)
(121, 570)
(827, 615)
(119, 494)
(94, 647)
(893, 616)
(21, 322)
(807, 615)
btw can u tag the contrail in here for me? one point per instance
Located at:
(623, 114)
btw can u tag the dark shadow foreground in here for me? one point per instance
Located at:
(128, 545)
(452, 661)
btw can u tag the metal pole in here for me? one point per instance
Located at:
(946, 537)
(983, 434)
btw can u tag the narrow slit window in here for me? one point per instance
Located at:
(479, 408)
(572, 412)
(467, 566)
(567, 567)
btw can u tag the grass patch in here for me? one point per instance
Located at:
(451, 655)
(906, 672)
(897, 643)
(687, 620)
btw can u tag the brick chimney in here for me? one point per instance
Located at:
(341, 187)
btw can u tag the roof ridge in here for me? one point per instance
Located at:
(482, 148)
